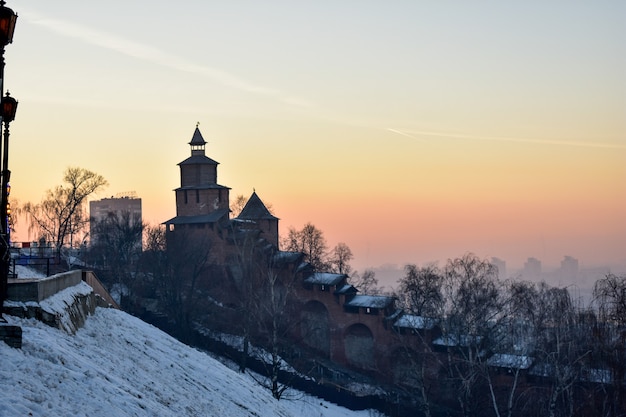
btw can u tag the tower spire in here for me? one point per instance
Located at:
(197, 142)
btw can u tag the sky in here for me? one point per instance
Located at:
(412, 131)
(118, 365)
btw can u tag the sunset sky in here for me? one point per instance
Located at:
(413, 131)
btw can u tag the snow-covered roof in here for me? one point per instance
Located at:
(505, 360)
(372, 301)
(599, 376)
(325, 278)
(346, 288)
(596, 375)
(456, 340)
(287, 256)
(411, 321)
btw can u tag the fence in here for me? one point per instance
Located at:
(40, 258)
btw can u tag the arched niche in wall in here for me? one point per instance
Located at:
(314, 327)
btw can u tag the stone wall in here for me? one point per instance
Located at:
(355, 339)
(11, 335)
(41, 288)
(63, 301)
(66, 310)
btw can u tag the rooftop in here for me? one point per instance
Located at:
(325, 278)
(255, 210)
(372, 301)
(204, 218)
(410, 321)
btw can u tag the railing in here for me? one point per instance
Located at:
(33, 257)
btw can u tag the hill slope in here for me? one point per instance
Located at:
(117, 365)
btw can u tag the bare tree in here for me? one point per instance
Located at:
(116, 245)
(275, 319)
(237, 205)
(14, 211)
(420, 290)
(240, 202)
(470, 325)
(246, 268)
(174, 265)
(264, 299)
(61, 214)
(420, 294)
(339, 259)
(366, 282)
(311, 242)
(556, 333)
(610, 299)
(561, 350)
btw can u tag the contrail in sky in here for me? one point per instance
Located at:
(155, 55)
(399, 132)
(416, 133)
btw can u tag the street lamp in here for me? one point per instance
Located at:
(7, 27)
(7, 24)
(8, 107)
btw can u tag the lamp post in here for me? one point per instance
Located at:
(7, 27)
(8, 107)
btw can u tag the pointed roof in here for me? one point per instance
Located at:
(198, 156)
(197, 139)
(255, 210)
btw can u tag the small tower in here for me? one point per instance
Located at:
(255, 211)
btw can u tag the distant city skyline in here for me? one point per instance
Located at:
(412, 132)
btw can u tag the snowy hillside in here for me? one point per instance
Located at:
(117, 365)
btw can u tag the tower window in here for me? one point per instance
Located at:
(197, 196)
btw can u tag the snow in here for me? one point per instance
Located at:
(24, 272)
(325, 278)
(411, 321)
(457, 340)
(65, 298)
(373, 301)
(117, 365)
(237, 342)
(503, 360)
